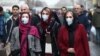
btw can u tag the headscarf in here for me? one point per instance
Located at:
(24, 28)
(73, 26)
(45, 24)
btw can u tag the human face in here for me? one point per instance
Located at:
(45, 15)
(25, 16)
(45, 12)
(69, 15)
(69, 18)
(77, 9)
(64, 10)
(25, 9)
(15, 11)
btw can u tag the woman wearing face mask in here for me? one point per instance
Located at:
(44, 23)
(47, 27)
(72, 37)
(25, 38)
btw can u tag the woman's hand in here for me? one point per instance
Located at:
(71, 50)
(47, 31)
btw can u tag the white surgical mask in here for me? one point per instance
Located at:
(69, 21)
(45, 17)
(25, 20)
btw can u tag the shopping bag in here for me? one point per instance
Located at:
(93, 30)
(93, 34)
(2, 50)
(8, 48)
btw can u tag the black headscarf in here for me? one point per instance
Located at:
(71, 30)
(73, 26)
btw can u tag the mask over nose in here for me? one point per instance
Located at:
(45, 17)
(69, 21)
(25, 20)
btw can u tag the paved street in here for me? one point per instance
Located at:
(94, 49)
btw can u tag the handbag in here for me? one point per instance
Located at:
(5, 50)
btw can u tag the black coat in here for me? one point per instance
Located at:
(10, 26)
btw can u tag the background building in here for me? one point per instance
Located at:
(49, 3)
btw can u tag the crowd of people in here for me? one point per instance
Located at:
(67, 30)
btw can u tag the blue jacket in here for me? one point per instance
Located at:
(2, 29)
(83, 19)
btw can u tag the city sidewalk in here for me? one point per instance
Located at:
(94, 49)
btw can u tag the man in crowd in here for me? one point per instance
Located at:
(13, 21)
(96, 22)
(25, 9)
(82, 16)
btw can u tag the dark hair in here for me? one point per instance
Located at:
(73, 14)
(45, 8)
(50, 15)
(1, 9)
(81, 6)
(75, 21)
(64, 7)
(15, 6)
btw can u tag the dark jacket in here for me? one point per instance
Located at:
(96, 18)
(2, 29)
(83, 19)
(35, 20)
(53, 28)
(11, 23)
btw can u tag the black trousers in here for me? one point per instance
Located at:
(55, 50)
(17, 52)
(71, 54)
(43, 42)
